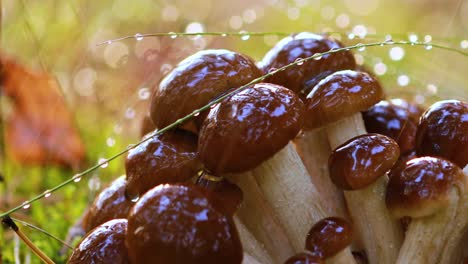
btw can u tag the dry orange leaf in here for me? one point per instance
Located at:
(41, 129)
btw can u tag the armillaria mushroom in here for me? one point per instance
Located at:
(429, 191)
(310, 144)
(304, 258)
(359, 167)
(251, 130)
(443, 131)
(178, 224)
(328, 238)
(170, 157)
(104, 244)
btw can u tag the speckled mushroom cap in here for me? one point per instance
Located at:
(249, 127)
(443, 132)
(111, 203)
(197, 80)
(422, 187)
(393, 121)
(224, 195)
(339, 95)
(300, 46)
(170, 157)
(360, 161)
(304, 258)
(104, 244)
(178, 224)
(328, 237)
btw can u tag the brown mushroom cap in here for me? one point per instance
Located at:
(300, 46)
(393, 121)
(339, 95)
(111, 203)
(360, 161)
(415, 111)
(249, 127)
(224, 195)
(198, 79)
(177, 224)
(328, 237)
(170, 157)
(443, 132)
(104, 244)
(304, 258)
(421, 187)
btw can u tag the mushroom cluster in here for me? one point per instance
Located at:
(311, 165)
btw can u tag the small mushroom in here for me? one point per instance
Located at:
(393, 121)
(429, 191)
(104, 244)
(170, 157)
(111, 203)
(251, 130)
(310, 145)
(359, 167)
(198, 79)
(178, 224)
(328, 238)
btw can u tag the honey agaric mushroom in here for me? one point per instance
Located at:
(196, 80)
(443, 131)
(111, 203)
(170, 157)
(226, 197)
(310, 145)
(328, 238)
(178, 224)
(304, 258)
(251, 130)
(104, 244)
(428, 190)
(393, 121)
(359, 167)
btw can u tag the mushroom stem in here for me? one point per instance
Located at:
(343, 257)
(453, 249)
(249, 259)
(367, 206)
(313, 148)
(287, 187)
(426, 236)
(252, 248)
(258, 217)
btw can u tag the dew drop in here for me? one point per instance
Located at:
(223, 35)
(130, 113)
(132, 197)
(318, 56)
(271, 70)
(196, 114)
(245, 35)
(396, 53)
(77, 178)
(299, 61)
(361, 47)
(389, 39)
(464, 44)
(428, 38)
(47, 194)
(110, 142)
(109, 42)
(351, 36)
(144, 93)
(26, 205)
(138, 36)
(413, 38)
(428, 46)
(104, 162)
(172, 35)
(403, 80)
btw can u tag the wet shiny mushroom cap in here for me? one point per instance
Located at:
(104, 244)
(362, 160)
(224, 195)
(422, 186)
(300, 46)
(178, 224)
(111, 203)
(198, 79)
(170, 157)
(249, 127)
(304, 258)
(329, 236)
(413, 109)
(340, 95)
(393, 121)
(443, 132)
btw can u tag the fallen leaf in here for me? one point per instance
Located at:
(41, 129)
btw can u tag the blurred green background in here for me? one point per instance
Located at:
(107, 87)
